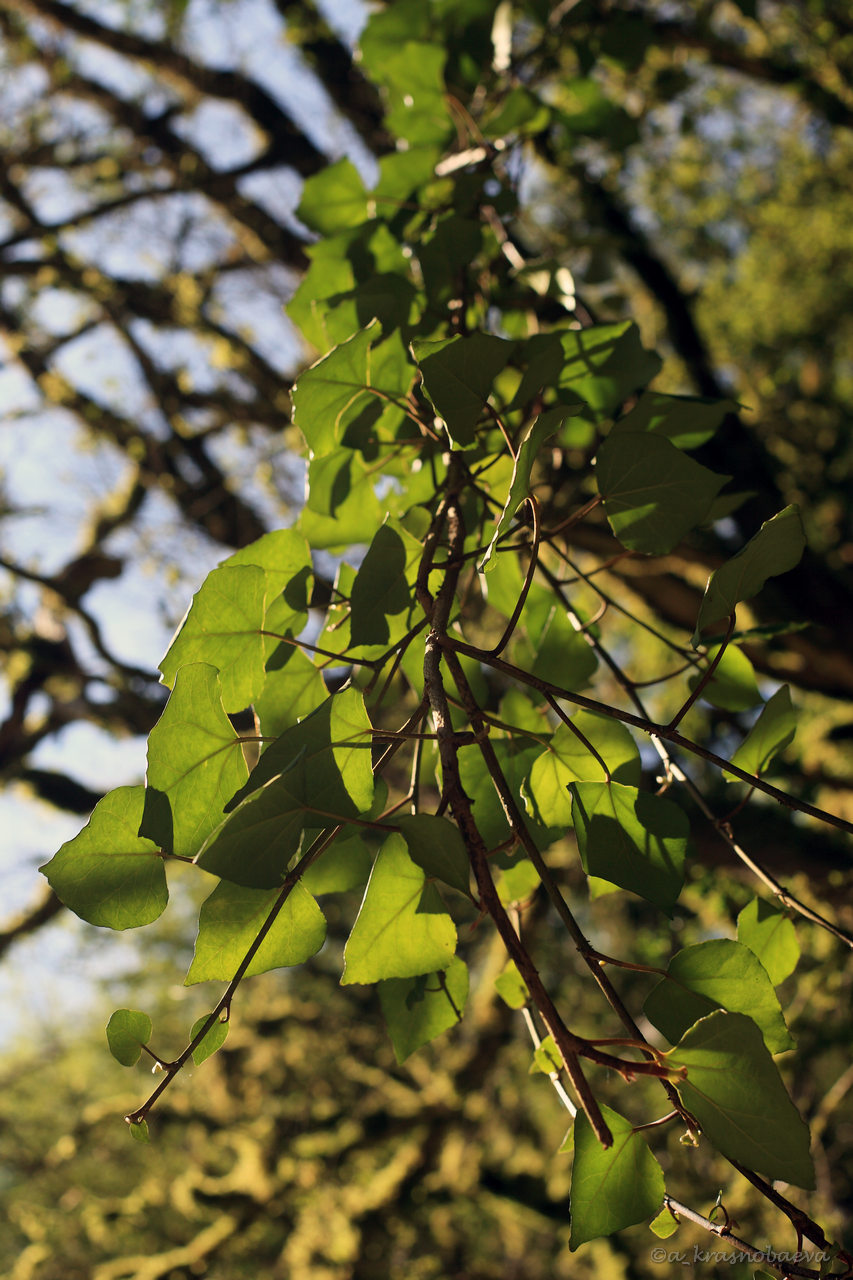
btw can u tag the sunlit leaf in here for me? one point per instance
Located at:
(734, 1090)
(127, 1031)
(567, 759)
(771, 936)
(402, 929)
(615, 1187)
(230, 920)
(195, 764)
(718, 974)
(109, 874)
(776, 548)
(417, 1010)
(771, 733)
(213, 1040)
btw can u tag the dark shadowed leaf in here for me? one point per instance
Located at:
(458, 374)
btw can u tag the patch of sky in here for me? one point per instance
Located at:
(250, 303)
(92, 756)
(180, 233)
(102, 366)
(59, 312)
(222, 132)
(278, 192)
(267, 475)
(347, 18)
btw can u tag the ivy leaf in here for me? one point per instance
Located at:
(653, 494)
(294, 688)
(717, 974)
(511, 987)
(602, 365)
(612, 1188)
(458, 374)
(213, 1040)
(230, 920)
(353, 378)
(771, 936)
(770, 734)
(687, 421)
(224, 628)
(733, 685)
(567, 760)
(326, 757)
(632, 839)
(344, 865)
(776, 548)
(127, 1031)
(195, 764)
(109, 874)
(545, 426)
(402, 929)
(285, 558)
(416, 1010)
(434, 843)
(735, 1092)
(333, 199)
(380, 589)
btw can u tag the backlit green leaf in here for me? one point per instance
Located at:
(567, 759)
(545, 426)
(109, 874)
(612, 1188)
(285, 558)
(230, 920)
(688, 421)
(380, 589)
(511, 987)
(195, 764)
(294, 688)
(776, 548)
(436, 846)
(631, 838)
(333, 199)
(127, 1031)
(770, 734)
(402, 929)
(602, 365)
(417, 1010)
(653, 494)
(718, 974)
(771, 936)
(224, 628)
(213, 1040)
(734, 1090)
(733, 685)
(458, 374)
(344, 865)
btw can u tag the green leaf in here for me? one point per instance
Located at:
(285, 558)
(333, 199)
(519, 112)
(195, 764)
(632, 839)
(380, 589)
(612, 1188)
(215, 1038)
(718, 974)
(343, 488)
(230, 920)
(546, 1058)
(566, 760)
(343, 866)
(771, 936)
(665, 1224)
(325, 758)
(547, 644)
(294, 688)
(434, 843)
(603, 365)
(511, 987)
(518, 882)
(417, 1010)
(458, 374)
(734, 1090)
(355, 378)
(776, 548)
(687, 421)
(109, 874)
(127, 1031)
(224, 628)
(139, 1131)
(653, 494)
(770, 734)
(402, 929)
(413, 78)
(732, 686)
(545, 426)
